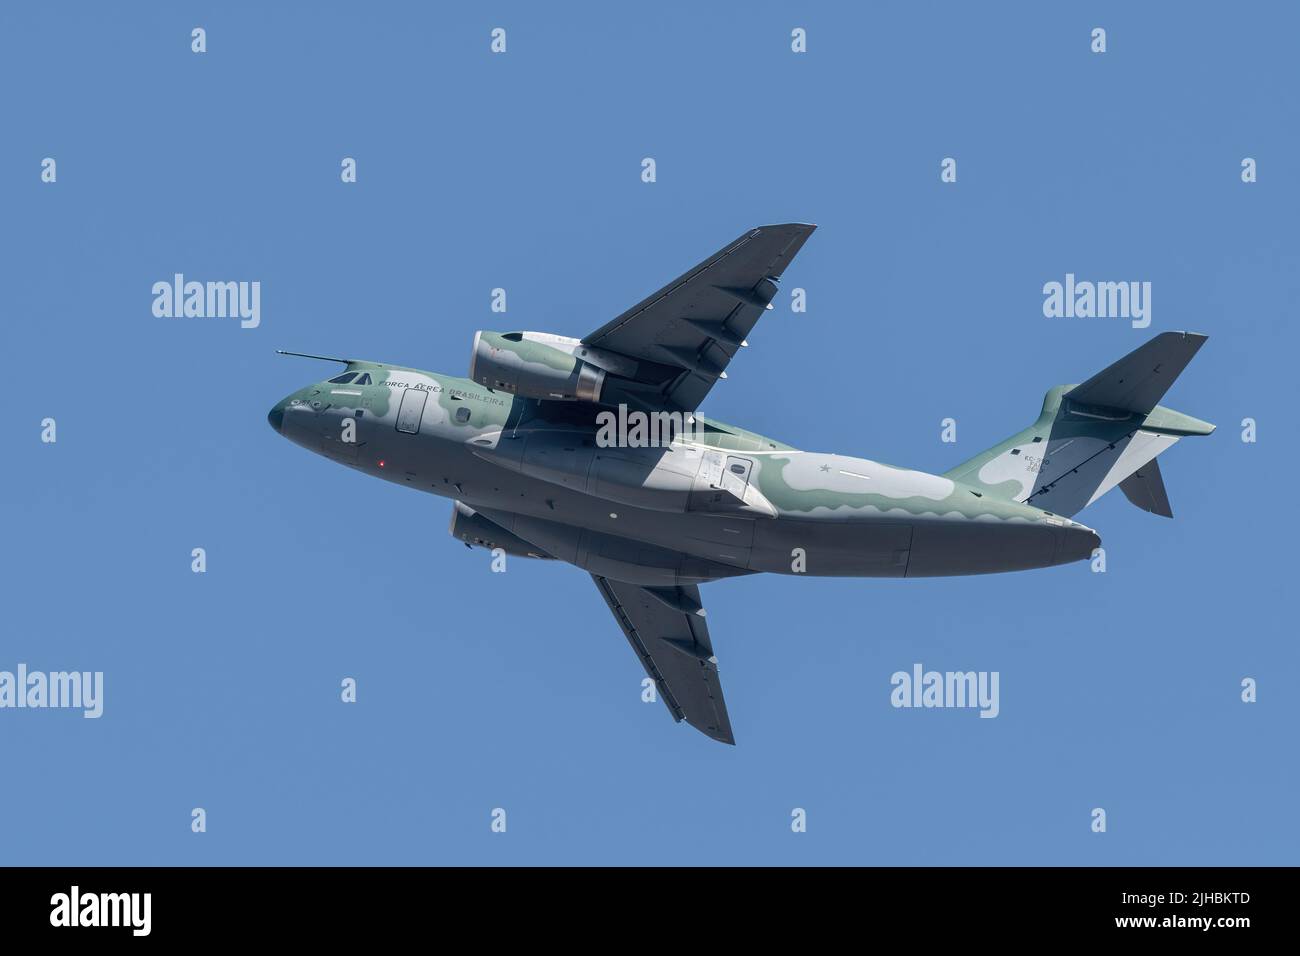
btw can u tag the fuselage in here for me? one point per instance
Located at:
(731, 500)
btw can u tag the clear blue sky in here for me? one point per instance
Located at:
(517, 690)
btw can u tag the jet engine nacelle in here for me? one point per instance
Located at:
(544, 366)
(477, 531)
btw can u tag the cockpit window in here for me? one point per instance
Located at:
(364, 379)
(343, 379)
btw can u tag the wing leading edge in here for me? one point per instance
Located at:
(686, 333)
(666, 629)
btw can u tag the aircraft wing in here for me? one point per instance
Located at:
(666, 629)
(685, 334)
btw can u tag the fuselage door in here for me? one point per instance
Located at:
(735, 477)
(721, 483)
(411, 410)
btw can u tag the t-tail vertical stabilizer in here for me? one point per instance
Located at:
(1093, 436)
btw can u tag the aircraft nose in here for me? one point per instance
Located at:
(276, 415)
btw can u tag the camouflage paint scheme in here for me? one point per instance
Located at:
(843, 529)
(851, 516)
(521, 462)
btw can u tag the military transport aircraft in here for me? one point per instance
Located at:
(523, 448)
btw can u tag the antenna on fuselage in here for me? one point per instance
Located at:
(323, 358)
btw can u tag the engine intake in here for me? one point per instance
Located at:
(477, 531)
(535, 365)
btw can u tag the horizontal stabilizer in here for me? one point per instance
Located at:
(1138, 381)
(1146, 489)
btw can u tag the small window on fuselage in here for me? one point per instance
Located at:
(462, 414)
(343, 379)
